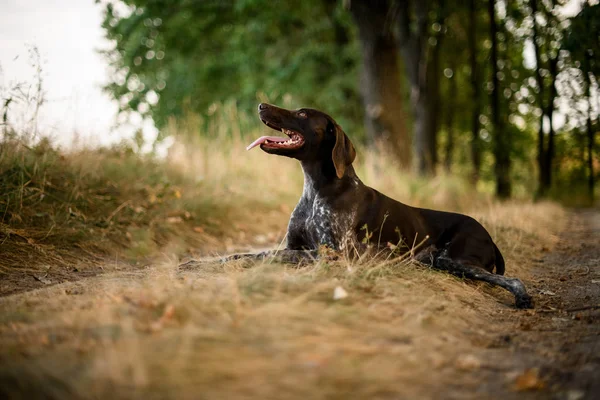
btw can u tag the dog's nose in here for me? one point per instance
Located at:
(262, 106)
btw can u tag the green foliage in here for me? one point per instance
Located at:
(192, 54)
(173, 58)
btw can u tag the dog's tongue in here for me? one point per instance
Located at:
(263, 139)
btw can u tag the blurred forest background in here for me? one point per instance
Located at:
(501, 92)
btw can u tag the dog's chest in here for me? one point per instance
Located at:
(325, 224)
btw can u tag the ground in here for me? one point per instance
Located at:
(560, 339)
(333, 330)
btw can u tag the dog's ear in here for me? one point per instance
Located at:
(343, 151)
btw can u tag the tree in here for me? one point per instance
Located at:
(176, 56)
(472, 95)
(475, 88)
(421, 63)
(583, 44)
(501, 144)
(380, 80)
(545, 39)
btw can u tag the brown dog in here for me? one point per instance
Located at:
(336, 206)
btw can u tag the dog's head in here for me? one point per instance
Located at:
(312, 136)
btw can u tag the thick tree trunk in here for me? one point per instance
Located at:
(475, 88)
(380, 80)
(501, 145)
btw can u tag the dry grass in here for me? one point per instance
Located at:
(229, 331)
(270, 331)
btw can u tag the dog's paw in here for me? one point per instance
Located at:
(523, 302)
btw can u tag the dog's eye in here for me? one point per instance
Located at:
(330, 127)
(302, 114)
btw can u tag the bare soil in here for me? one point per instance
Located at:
(556, 345)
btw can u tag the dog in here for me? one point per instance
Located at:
(338, 211)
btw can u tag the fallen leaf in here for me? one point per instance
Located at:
(198, 229)
(174, 220)
(339, 293)
(547, 292)
(168, 313)
(529, 380)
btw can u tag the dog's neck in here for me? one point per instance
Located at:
(321, 178)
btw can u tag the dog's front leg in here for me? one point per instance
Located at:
(287, 256)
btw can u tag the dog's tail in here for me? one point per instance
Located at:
(499, 261)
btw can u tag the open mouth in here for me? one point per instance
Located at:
(294, 140)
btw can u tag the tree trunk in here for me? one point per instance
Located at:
(590, 139)
(549, 157)
(541, 157)
(380, 80)
(424, 86)
(501, 148)
(450, 110)
(424, 135)
(434, 73)
(475, 88)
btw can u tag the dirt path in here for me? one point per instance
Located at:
(558, 343)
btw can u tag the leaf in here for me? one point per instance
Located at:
(529, 380)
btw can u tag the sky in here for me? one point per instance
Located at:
(68, 34)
